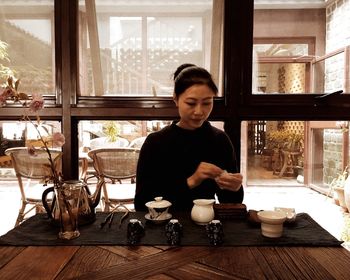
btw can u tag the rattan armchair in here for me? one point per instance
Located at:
(32, 167)
(116, 171)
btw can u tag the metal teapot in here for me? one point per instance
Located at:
(78, 190)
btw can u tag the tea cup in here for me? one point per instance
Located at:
(272, 223)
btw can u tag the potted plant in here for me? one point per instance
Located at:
(337, 187)
(111, 139)
(110, 129)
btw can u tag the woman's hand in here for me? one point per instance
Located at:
(204, 171)
(229, 181)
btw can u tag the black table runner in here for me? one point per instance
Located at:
(38, 231)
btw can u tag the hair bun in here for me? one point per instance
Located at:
(182, 67)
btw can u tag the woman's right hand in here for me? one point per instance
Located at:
(204, 171)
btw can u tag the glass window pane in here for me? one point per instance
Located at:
(280, 49)
(26, 45)
(280, 78)
(310, 37)
(327, 155)
(171, 42)
(298, 153)
(20, 134)
(114, 134)
(133, 49)
(128, 133)
(274, 152)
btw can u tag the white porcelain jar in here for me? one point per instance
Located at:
(202, 211)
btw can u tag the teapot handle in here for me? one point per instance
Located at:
(45, 204)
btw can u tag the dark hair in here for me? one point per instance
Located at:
(187, 75)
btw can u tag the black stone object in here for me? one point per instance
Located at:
(173, 232)
(215, 232)
(135, 231)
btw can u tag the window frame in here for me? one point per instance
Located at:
(237, 104)
(114, 108)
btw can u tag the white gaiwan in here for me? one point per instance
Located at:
(158, 209)
(272, 223)
(290, 213)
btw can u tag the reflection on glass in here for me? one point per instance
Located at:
(300, 47)
(19, 134)
(133, 49)
(327, 156)
(172, 42)
(109, 133)
(281, 49)
(280, 78)
(299, 153)
(26, 45)
(114, 134)
(275, 151)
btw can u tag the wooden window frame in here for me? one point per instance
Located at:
(237, 104)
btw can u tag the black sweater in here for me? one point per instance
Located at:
(168, 157)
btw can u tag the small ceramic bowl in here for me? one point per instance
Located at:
(158, 209)
(272, 223)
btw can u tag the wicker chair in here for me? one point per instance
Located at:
(118, 165)
(137, 142)
(32, 167)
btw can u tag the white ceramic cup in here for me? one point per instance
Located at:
(272, 223)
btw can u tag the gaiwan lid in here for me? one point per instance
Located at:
(158, 203)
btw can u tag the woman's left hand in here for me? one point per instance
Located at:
(229, 181)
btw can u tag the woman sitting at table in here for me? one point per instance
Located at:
(189, 159)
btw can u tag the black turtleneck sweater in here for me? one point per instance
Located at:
(168, 157)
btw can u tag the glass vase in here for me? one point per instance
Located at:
(68, 199)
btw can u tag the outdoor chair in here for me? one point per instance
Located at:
(116, 171)
(32, 167)
(137, 142)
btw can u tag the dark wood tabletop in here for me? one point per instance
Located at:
(163, 262)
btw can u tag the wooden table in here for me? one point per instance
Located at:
(150, 262)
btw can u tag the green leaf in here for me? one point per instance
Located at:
(45, 128)
(23, 96)
(17, 84)
(10, 81)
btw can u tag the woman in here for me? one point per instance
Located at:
(189, 159)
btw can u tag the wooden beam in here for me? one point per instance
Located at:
(94, 47)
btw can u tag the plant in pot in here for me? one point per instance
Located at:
(111, 137)
(337, 188)
(110, 129)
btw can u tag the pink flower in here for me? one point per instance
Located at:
(37, 103)
(58, 139)
(2, 99)
(4, 94)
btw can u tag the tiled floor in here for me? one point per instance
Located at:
(319, 207)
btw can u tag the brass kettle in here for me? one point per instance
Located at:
(75, 190)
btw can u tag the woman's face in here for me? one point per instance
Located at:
(194, 105)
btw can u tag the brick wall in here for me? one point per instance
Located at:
(332, 156)
(337, 36)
